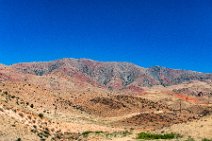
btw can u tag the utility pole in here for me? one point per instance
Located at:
(209, 95)
(180, 106)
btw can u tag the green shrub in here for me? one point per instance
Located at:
(190, 139)
(151, 136)
(106, 134)
(99, 132)
(206, 139)
(86, 133)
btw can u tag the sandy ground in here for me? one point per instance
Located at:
(197, 129)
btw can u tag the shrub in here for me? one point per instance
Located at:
(205, 139)
(19, 139)
(98, 132)
(151, 136)
(106, 134)
(190, 139)
(40, 115)
(86, 133)
(44, 134)
(31, 105)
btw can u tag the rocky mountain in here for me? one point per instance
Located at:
(112, 75)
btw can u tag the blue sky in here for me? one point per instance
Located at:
(171, 33)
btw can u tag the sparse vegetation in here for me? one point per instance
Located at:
(43, 134)
(106, 134)
(86, 133)
(65, 136)
(205, 139)
(190, 139)
(152, 136)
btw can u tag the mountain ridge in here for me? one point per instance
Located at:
(116, 75)
(105, 62)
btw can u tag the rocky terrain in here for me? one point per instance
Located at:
(79, 99)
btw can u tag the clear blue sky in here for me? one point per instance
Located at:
(171, 33)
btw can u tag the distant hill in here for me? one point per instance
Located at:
(112, 75)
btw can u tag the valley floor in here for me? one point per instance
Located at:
(30, 112)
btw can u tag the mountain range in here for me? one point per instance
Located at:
(112, 75)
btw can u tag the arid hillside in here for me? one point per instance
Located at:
(79, 99)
